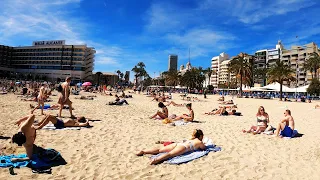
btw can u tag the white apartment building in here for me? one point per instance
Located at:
(216, 67)
(274, 54)
(53, 59)
(224, 75)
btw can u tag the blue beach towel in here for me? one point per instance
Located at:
(294, 134)
(5, 161)
(189, 156)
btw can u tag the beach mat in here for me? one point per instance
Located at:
(190, 156)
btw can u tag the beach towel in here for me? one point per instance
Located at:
(180, 123)
(190, 156)
(294, 134)
(52, 127)
(44, 160)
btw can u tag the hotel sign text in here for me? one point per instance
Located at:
(48, 43)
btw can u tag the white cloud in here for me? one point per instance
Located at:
(253, 11)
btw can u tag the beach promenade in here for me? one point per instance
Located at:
(106, 151)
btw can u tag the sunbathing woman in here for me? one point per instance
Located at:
(227, 102)
(186, 117)
(58, 123)
(176, 149)
(175, 104)
(262, 122)
(163, 114)
(222, 112)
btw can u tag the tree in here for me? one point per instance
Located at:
(242, 68)
(314, 87)
(118, 72)
(313, 64)
(171, 77)
(99, 75)
(193, 78)
(209, 72)
(139, 71)
(280, 72)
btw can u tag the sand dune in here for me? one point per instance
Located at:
(106, 151)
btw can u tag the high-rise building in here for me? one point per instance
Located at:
(274, 54)
(127, 76)
(296, 58)
(173, 62)
(215, 66)
(259, 67)
(53, 59)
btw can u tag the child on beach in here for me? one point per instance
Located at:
(41, 98)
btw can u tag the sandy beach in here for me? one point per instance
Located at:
(106, 151)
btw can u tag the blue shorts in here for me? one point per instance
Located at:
(59, 124)
(286, 132)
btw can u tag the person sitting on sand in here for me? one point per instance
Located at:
(25, 137)
(163, 114)
(262, 122)
(286, 125)
(317, 106)
(221, 98)
(186, 117)
(176, 149)
(59, 124)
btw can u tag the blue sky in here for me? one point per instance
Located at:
(125, 32)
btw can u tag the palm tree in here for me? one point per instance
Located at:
(172, 77)
(313, 64)
(193, 78)
(242, 68)
(209, 72)
(260, 74)
(139, 71)
(118, 72)
(280, 72)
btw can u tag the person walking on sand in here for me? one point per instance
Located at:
(286, 125)
(64, 97)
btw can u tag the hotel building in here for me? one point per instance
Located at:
(53, 59)
(215, 66)
(173, 63)
(260, 62)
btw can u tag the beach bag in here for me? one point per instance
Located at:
(166, 121)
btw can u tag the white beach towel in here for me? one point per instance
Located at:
(52, 127)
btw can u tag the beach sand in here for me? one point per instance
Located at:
(106, 151)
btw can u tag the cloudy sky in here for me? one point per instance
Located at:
(125, 32)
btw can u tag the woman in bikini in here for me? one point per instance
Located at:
(186, 117)
(163, 114)
(262, 122)
(176, 149)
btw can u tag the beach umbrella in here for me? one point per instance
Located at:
(87, 84)
(79, 84)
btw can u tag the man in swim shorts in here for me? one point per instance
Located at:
(59, 124)
(286, 125)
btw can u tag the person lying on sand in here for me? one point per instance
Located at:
(176, 149)
(286, 125)
(175, 104)
(186, 117)
(227, 102)
(84, 98)
(262, 122)
(222, 112)
(163, 114)
(52, 107)
(59, 124)
(118, 101)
